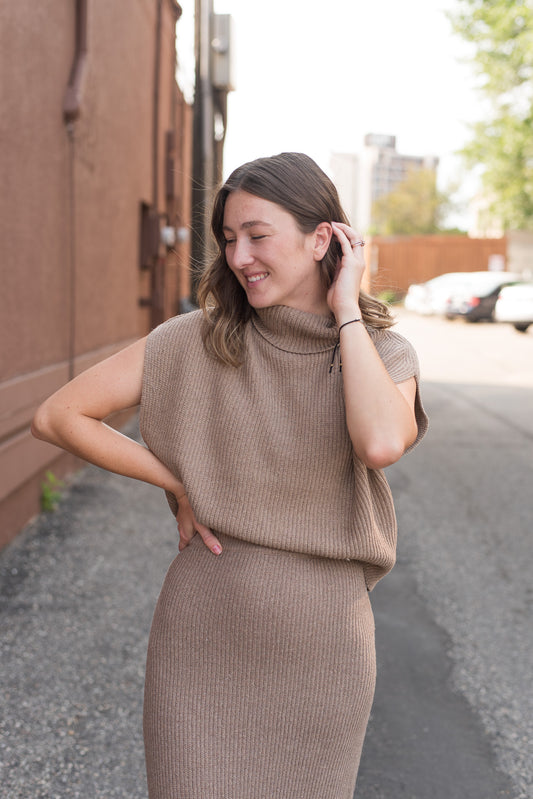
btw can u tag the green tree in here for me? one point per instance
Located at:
(501, 32)
(415, 206)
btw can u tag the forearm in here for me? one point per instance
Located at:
(61, 422)
(96, 442)
(380, 420)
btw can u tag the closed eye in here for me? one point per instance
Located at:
(253, 238)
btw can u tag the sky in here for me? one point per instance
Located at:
(317, 76)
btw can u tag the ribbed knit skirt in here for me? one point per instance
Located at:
(260, 676)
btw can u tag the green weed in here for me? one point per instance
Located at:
(50, 492)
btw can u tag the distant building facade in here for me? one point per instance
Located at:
(376, 171)
(484, 221)
(95, 206)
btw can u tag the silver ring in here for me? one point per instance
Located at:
(359, 243)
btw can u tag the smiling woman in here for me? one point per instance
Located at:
(274, 261)
(300, 198)
(268, 416)
(271, 675)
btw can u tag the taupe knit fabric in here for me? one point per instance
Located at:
(263, 450)
(260, 676)
(261, 665)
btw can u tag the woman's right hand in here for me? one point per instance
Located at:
(188, 526)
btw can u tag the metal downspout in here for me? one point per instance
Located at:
(155, 106)
(71, 112)
(157, 288)
(72, 251)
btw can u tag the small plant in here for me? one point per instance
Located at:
(50, 492)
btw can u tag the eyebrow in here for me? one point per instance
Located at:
(252, 223)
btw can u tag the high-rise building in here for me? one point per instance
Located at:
(376, 171)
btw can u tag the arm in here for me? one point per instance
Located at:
(72, 418)
(379, 413)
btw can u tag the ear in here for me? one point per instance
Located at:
(322, 237)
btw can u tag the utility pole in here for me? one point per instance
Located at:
(213, 81)
(203, 145)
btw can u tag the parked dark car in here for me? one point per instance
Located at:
(474, 301)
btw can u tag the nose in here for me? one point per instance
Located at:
(241, 254)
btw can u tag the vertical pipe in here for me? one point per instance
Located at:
(71, 111)
(73, 94)
(157, 276)
(207, 94)
(155, 117)
(72, 252)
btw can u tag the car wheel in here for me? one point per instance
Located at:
(521, 326)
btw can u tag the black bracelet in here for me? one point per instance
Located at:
(349, 323)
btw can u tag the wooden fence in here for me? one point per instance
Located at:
(394, 262)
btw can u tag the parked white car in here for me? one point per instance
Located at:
(475, 298)
(515, 305)
(431, 297)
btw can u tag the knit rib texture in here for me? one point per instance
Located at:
(263, 449)
(260, 676)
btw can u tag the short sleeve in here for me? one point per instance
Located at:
(401, 362)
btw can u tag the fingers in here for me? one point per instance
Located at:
(184, 538)
(187, 532)
(348, 231)
(343, 293)
(210, 540)
(352, 243)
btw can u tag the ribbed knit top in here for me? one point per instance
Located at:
(263, 449)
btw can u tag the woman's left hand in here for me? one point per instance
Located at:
(343, 294)
(188, 526)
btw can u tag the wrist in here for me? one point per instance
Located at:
(353, 322)
(178, 490)
(348, 315)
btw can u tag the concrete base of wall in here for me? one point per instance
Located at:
(23, 504)
(20, 507)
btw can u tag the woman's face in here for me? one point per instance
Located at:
(272, 259)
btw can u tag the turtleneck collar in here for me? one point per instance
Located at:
(292, 330)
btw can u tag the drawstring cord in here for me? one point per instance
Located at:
(333, 358)
(338, 343)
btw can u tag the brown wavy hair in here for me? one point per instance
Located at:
(296, 183)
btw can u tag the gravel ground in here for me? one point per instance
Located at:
(78, 588)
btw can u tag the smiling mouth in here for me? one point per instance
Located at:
(256, 278)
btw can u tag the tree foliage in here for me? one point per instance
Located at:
(415, 206)
(501, 32)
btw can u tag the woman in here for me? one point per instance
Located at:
(268, 417)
